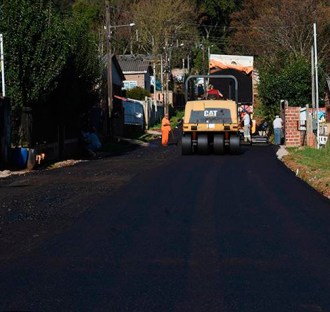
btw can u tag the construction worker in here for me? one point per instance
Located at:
(166, 128)
(214, 94)
(247, 126)
(278, 124)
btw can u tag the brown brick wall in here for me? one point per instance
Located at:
(138, 78)
(292, 133)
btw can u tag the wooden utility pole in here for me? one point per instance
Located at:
(208, 59)
(188, 64)
(203, 49)
(155, 82)
(167, 70)
(2, 67)
(162, 75)
(109, 58)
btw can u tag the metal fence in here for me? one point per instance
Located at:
(154, 112)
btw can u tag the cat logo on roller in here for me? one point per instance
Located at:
(211, 113)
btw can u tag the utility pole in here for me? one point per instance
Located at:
(155, 84)
(188, 64)
(316, 88)
(203, 49)
(154, 69)
(109, 59)
(208, 58)
(162, 75)
(2, 66)
(313, 80)
(167, 69)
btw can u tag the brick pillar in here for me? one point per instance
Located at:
(292, 118)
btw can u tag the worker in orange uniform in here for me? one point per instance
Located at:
(166, 128)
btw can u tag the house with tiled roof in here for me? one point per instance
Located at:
(137, 70)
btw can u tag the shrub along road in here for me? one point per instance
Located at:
(199, 233)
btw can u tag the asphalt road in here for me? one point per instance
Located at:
(199, 233)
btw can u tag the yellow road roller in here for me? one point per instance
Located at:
(210, 123)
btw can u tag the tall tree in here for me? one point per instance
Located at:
(212, 18)
(161, 24)
(36, 49)
(265, 27)
(43, 50)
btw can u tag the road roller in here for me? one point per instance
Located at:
(210, 123)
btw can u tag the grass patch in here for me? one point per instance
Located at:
(156, 126)
(143, 137)
(311, 165)
(174, 121)
(312, 158)
(176, 118)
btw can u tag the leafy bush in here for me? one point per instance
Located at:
(137, 93)
(284, 78)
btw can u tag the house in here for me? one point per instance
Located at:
(137, 70)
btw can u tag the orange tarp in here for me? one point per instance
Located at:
(216, 65)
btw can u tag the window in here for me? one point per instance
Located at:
(130, 84)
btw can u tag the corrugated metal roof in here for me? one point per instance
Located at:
(134, 63)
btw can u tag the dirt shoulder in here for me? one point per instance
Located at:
(35, 206)
(312, 166)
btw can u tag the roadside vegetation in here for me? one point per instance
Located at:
(311, 165)
(137, 93)
(281, 34)
(52, 62)
(146, 137)
(174, 120)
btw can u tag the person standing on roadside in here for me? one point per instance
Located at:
(166, 128)
(278, 124)
(247, 126)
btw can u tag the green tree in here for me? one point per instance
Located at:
(163, 23)
(137, 93)
(90, 12)
(52, 62)
(288, 79)
(36, 48)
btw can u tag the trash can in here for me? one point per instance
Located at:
(20, 157)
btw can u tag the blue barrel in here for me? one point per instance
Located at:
(20, 157)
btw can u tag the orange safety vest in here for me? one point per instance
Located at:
(166, 126)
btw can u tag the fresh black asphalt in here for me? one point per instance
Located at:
(200, 233)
